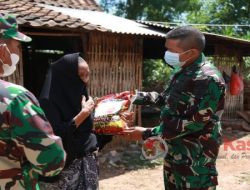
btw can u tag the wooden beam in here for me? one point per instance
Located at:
(51, 34)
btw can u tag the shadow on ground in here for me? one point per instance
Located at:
(120, 157)
(117, 161)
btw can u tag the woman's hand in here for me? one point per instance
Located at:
(87, 108)
(89, 105)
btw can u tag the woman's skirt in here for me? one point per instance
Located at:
(82, 174)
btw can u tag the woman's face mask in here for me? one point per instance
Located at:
(173, 59)
(9, 69)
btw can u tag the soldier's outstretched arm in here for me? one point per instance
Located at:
(198, 114)
(33, 133)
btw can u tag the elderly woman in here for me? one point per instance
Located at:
(68, 107)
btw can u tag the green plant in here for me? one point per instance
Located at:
(246, 70)
(155, 74)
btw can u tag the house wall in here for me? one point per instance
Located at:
(224, 59)
(115, 63)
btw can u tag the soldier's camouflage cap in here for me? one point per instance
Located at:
(9, 29)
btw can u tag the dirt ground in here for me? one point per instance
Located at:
(233, 166)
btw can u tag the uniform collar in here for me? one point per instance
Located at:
(189, 69)
(197, 63)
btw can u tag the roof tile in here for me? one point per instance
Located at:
(40, 13)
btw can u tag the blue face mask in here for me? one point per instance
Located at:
(173, 59)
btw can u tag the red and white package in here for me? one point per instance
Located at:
(153, 148)
(108, 111)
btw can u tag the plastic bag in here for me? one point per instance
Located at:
(154, 147)
(236, 82)
(108, 111)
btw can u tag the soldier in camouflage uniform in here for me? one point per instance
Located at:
(191, 109)
(28, 146)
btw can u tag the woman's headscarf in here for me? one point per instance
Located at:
(64, 88)
(61, 98)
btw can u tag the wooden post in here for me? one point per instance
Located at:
(21, 76)
(85, 45)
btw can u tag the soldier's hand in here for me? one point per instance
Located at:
(134, 133)
(128, 117)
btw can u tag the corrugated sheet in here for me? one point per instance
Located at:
(215, 36)
(156, 24)
(227, 38)
(110, 22)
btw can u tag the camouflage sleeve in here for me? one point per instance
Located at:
(147, 98)
(196, 115)
(32, 131)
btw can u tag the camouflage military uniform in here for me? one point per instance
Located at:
(192, 106)
(28, 146)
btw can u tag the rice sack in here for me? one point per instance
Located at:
(108, 111)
